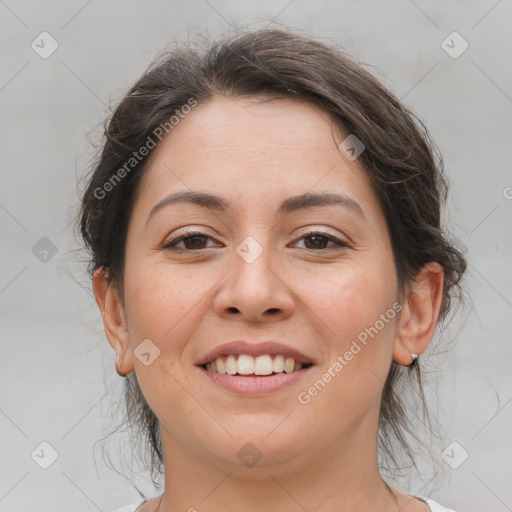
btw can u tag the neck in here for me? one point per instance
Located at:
(342, 477)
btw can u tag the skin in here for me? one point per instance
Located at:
(317, 457)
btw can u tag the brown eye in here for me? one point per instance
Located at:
(320, 241)
(316, 241)
(190, 242)
(195, 242)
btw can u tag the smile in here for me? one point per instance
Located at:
(245, 364)
(254, 375)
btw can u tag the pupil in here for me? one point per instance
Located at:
(320, 240)
(196, 242)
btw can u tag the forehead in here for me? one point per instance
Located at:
(253, 148)
(267, 125)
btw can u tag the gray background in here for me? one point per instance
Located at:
(57, 380)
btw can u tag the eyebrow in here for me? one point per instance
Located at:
(292, 204)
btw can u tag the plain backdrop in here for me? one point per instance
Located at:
(57, 379)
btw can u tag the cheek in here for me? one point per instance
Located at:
(164, 305)
(358, 307)
(162, 301)
(350, 298)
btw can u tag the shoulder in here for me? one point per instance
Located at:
(129, 508)
(436, 507)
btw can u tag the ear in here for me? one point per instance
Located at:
(418, 318)
(114, 320)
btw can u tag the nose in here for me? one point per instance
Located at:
(255, 290)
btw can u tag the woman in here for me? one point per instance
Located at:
(269, 262)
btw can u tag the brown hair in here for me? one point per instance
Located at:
(401, 161)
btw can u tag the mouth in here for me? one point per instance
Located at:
(244, 374)
(245, 365)
(254, 368)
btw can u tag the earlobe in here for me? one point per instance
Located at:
(114, 322)
(418, 319)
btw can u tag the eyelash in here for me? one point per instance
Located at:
(171, 244)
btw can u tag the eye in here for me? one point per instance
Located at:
(195, 240)
(318, 241)
(191, 241)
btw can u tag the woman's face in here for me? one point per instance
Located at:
(260, 265)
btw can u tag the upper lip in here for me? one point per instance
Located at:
(253, 349)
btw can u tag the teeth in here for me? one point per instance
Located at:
(279, 364)
(221, 365)
(289, 365)
(263, 365)
(231, 365)
(245, 365)
(248, 365)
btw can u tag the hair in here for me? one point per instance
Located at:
(400, 159)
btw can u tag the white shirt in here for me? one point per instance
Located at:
(433, 505)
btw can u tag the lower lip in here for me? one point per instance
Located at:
(255, 384)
